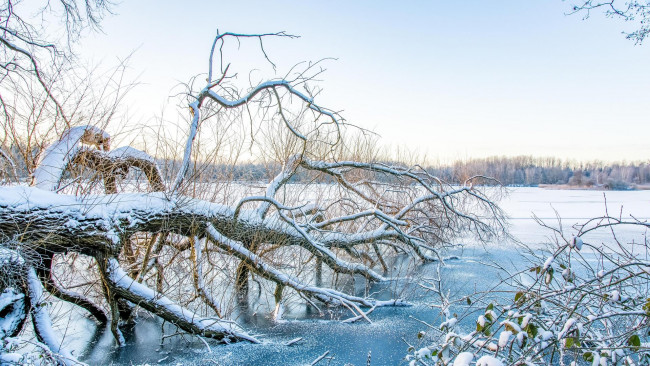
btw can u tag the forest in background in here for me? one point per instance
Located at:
(533, 171)
(510, 171)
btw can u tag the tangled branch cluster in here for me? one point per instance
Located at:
(585, 303)
(123, 250)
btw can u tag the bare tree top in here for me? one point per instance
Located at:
(633, 11)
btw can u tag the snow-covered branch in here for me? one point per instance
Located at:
(322, 216)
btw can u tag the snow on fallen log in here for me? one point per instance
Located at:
(117, 163)
(101, 220)
(43, 323)
(264, 269)
(167, 309)
(58, 155)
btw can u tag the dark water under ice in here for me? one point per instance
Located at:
(385, 338)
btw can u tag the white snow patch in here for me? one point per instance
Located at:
(577, 243)
(569, 323)
(504, 337)
(524, 322)
(11, 358)
(546, 335)
(489, 361)
(463, 359)
(450, 323)
(8, 256)
(423, 353)
(16, 314)
(514, 326)
(520, 338)
(548, 262)
(481, 320)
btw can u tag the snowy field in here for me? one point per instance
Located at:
(386, 338)
(573, 206)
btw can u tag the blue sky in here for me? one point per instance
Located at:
(451, 79)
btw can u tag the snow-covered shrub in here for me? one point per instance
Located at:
(580, 303)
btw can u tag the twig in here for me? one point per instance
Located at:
(293, 341)
(320, 358)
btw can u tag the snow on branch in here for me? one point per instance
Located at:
(167, 309)
(58, 156)
(68, 153)
(9, 161)
(325, 295)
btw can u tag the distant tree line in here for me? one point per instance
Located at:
(533, 171)
(510, 171)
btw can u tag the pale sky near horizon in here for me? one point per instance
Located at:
(450, 79)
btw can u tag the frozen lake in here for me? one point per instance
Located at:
(391, 328)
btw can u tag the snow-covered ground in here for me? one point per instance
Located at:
(385, 337)
(573, 207)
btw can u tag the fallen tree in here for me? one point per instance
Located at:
(367, 212)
